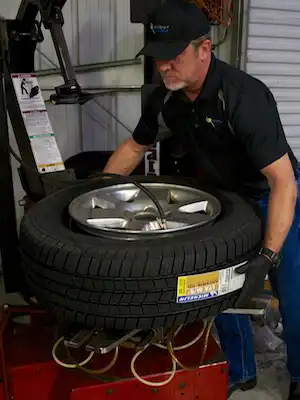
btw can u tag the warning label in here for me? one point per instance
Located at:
(37, 123)
(28, 92)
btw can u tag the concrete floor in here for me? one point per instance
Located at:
(273, 380)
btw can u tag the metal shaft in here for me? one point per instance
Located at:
(62, 53)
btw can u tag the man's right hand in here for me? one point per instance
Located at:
(255, 271)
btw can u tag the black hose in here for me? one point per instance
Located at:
(127, 179)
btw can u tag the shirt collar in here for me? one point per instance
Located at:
(212, 81)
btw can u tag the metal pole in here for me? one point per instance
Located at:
(62, 52)
(8, 226)
(237, 34)
(91, 67)
(27, 12)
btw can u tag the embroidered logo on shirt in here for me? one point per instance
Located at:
(214, 122)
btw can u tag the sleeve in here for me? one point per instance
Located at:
(146, 130)
(257, 124)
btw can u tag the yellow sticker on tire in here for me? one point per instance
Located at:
(193, 288)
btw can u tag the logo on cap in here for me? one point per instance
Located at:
(159, 28)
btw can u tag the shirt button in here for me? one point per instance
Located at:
(193, 110)
(196, 126)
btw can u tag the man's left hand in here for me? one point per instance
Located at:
(256, 271)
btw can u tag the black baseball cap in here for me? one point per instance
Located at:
(172, 27)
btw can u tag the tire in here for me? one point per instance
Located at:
(112, 283)
(89, 163)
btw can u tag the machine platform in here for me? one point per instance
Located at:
(30, 373)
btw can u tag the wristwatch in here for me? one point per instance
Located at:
(275, 258)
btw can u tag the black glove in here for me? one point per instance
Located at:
(256, 271)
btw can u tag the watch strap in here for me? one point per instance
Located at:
(275, 258)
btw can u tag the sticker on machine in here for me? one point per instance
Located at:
(37, 123)
(43, 143)
(46, 154)
(152, 161)
(209, 285)
(28, 92)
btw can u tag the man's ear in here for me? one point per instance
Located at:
(207, 45)
(204, 50)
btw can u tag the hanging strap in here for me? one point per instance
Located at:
(163, 130)
(221, 98)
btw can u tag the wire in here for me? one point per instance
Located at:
(204, 351)
(169, 347)
(82, 363)
(47, 58)
(217, 9)
(15, 155)
(103, 124)
(206, 339)
(65, 365)
(98, 371)
(185, 346)
(113, 116)
(162, 222)
(154, 384)
(175, 359)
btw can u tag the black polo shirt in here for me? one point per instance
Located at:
(230, 145)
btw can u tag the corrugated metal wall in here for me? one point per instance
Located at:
(113, 37)
(273, 56)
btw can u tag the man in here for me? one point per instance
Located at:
(229, 123)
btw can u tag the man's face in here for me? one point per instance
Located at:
(185, 69)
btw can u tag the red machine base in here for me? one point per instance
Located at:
(28, 371)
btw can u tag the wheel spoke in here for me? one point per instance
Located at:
(135, 225)
(108, 217)
(188, 218)
(193, 206)
(105, 213)
(108, 201)
(126, 195)
(108, 222)
(189, 212)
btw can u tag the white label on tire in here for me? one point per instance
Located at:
(209, 285)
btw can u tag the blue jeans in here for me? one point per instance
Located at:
(235, 330)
